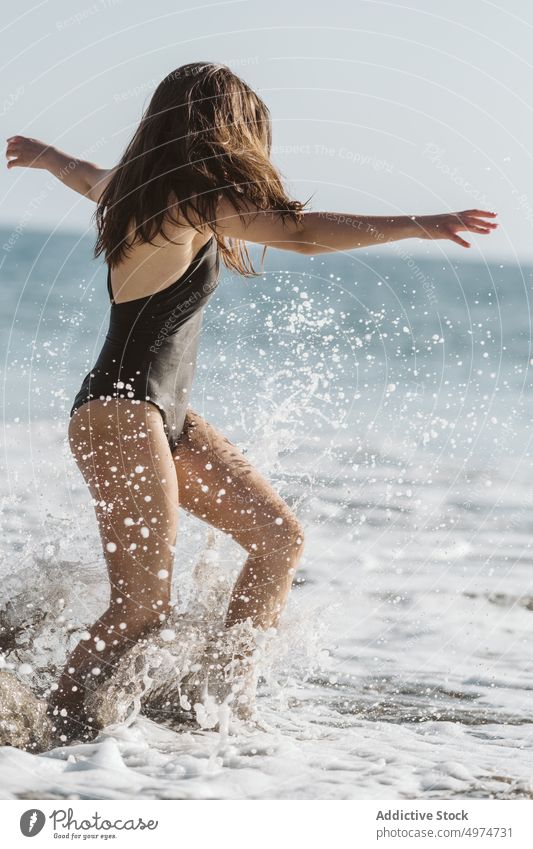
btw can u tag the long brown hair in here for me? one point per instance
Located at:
(204, 135)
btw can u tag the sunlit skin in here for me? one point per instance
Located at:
(137, 483)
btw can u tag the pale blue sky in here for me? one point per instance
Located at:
(406, 106)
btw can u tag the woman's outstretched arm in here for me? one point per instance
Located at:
(81, 176)
(323, 232)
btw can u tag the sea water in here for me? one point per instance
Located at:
(387, 398)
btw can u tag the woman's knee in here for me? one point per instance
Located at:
(290, 532)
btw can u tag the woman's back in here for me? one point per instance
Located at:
(148, 268)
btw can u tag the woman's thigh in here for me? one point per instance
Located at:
(123, 454)
(219, 485)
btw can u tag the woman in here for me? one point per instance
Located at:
(195, 183)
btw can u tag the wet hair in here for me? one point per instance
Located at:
(205, 135)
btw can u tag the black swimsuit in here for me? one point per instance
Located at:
(150, 350)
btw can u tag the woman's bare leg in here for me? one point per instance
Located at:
(123, 454)
(217, 484)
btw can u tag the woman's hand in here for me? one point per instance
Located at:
(447, 226)
(23, 152)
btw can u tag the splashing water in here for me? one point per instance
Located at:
(193, 672)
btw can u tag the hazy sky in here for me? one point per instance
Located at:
(405, 106)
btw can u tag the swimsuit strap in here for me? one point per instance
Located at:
(109, 289)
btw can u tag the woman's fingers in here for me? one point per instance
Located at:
(12, 150)
(479, 222)
(477, 219)
(476, 213)
(474, 221)
(483, 212)
(475, 224)
(475, 229)
(458, 240)
(14, 156)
